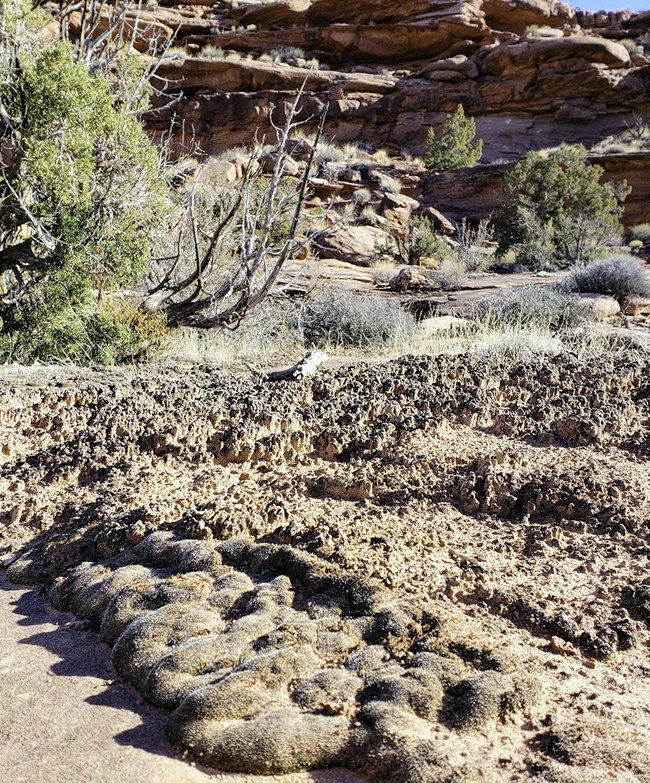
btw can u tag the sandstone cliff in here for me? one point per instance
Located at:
(533, 73)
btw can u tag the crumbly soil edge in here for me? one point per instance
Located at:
(434, 569)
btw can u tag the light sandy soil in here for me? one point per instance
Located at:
(67, 716)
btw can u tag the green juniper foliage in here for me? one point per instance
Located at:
(557, 212)
(420, 243)
(454, 147)
(80, 190)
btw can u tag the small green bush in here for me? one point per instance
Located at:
(622, 277)
(454, 147)
(420, 244)
(341, 317)
(84, 332)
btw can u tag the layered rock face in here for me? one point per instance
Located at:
(527, 71)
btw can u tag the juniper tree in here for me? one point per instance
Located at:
(453, 147)
(557, 212)
(80, 186)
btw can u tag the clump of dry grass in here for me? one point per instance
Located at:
(636, 138)
(542, 31)
(266, 335)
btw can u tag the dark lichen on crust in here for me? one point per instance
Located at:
(273, 661)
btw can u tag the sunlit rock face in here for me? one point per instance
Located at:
(532, 73)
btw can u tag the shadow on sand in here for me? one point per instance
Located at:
(82, 654)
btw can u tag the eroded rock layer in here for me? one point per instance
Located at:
(425, 570)
(533, 74)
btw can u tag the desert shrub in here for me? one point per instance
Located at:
(341, 317)
(631, 45)
(330, 152)
(419, 245)
(543, 307)
(368, 216)
(381, 157)
(622, 277)
(267, 334)
(454, 146)
(86, 332)
(119, 333)
(362, 196)
(448, 276)
(353, 151)
(557, 212)
(80, 187)
(213, 52)
(641, 232)
(290, 55)
(382, 274)
(390, 184)
(475, 248)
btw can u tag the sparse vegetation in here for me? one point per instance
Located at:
(290, 55)
(544, 307)
(340, 317)
(420, 245)
(453, 147)
(641, 231)
(362, 197)
(368, 216)
(88, 207)
(636, 138)
(631, 45)
(542, 31)
(213, 52)
(448, 274)
(475, 248)
(390, 184)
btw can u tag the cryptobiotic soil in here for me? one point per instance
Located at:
(434, 570)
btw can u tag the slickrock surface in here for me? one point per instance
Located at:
(425, 570)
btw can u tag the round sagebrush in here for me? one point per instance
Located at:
(622, 277)
(540, 306)
(341, 317)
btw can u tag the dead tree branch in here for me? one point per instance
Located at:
(220, 287)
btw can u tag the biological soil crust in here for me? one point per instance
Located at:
(425, 570)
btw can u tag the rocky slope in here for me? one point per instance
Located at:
(533, 74)
(427, 570)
